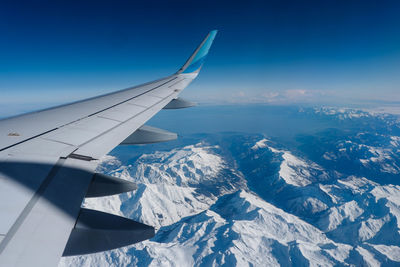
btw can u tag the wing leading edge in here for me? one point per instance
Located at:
(47, 167)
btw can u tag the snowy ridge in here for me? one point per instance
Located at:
(376, 153)
(293, 170)
(188, 165)
(342, 113)
(381, 157)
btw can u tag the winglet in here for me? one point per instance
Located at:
(196, 60)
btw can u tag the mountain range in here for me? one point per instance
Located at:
(326, 198)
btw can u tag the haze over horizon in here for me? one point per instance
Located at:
(266, 52)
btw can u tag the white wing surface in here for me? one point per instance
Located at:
(47, 167)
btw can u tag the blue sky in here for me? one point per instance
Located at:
(53, 52)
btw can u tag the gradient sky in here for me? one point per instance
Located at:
(53, 52)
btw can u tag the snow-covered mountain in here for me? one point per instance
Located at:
(247, 200)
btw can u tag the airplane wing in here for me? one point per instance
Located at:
(47, 167)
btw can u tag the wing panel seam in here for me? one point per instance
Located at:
(30, 138)
(133, 97)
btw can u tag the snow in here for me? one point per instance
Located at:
(260, 144)
(371, 227)
(110, 204)
(369, 259)
(380, 157)
(275, 223)
(295, 171)
(288, 173)
(395, 141)
(357, 185)
(314, 205)
(392, 252)
(161, 205)
(342, 113)
(190, 164)
(390, 193)
(349, 210)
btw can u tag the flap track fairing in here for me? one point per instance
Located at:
(178, 103)
(105, 185)
(148, 135)
(97, 231)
